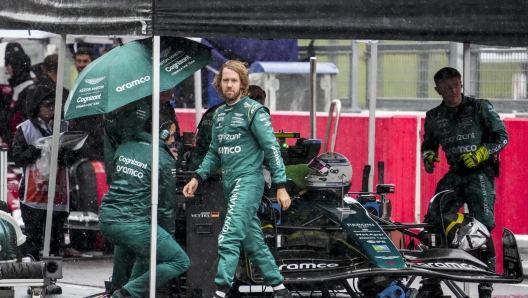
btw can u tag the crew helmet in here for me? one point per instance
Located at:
(330, 171)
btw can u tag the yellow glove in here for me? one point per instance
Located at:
(429, 158)
(472, 159)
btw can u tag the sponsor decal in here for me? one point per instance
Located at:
(458, 138)
(175, 54)
(165, 52)
(254, 108)
(277, 155)
(133, 84)
(307, 265)
(346, 211)
(448, 266)
(129, 171)
(387, 257)
(267, 123)
(176, 64)
(460, 149)
(228, 137)
(95, 80)
(229, 150)
(88, 98)
(131, 161)
(229, 214)
(83, 90)
(380, 247)
(239, 114)
(206, 214)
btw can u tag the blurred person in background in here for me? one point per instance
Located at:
(83, 57)
(17, 64)
(33, 190)
(5, 104)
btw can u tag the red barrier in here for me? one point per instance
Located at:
(396, 146)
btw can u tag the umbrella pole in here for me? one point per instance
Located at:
(155, 160)
(55, 144)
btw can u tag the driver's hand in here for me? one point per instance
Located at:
(190, 188)
(283, 198)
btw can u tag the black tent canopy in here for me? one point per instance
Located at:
(488, 22)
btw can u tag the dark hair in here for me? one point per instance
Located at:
(446, 73)
(256, 93)
(17, 58)
(85, 51)
(36, 95)
(51, 63)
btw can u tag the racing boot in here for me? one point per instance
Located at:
(280, 291)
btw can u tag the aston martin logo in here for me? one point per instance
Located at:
(165, 52)
(94, 81)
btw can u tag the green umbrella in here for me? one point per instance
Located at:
(124, 74)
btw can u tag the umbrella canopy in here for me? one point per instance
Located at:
(124, 74)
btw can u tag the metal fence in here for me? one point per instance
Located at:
(406, 70)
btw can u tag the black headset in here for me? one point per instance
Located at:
(164, 133)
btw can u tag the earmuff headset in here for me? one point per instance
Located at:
(164, 133)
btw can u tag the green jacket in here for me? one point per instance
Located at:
(462, 129)
(128, 199)
(242, 137)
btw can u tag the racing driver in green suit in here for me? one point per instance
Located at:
(242, 137)
(471, 135)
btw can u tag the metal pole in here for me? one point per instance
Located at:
(466, 82)
(313, 97)
(198, 95)
(3, 174)
(372, 85)
(466, 72)
(354, 77)
(55, 144)
(155, 159)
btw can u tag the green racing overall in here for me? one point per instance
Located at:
(125, 215)
(459, 130)
(242, 137)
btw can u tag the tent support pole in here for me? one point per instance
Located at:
(155, 160)
(313, 97)
(55, 145)
(372, 85)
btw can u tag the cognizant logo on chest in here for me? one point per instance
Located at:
(229, 150)
(226, 136)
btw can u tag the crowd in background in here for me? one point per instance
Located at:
(27, 95)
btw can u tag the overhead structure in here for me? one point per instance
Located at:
(488, 22)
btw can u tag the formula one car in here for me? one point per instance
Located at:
(328, 241)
